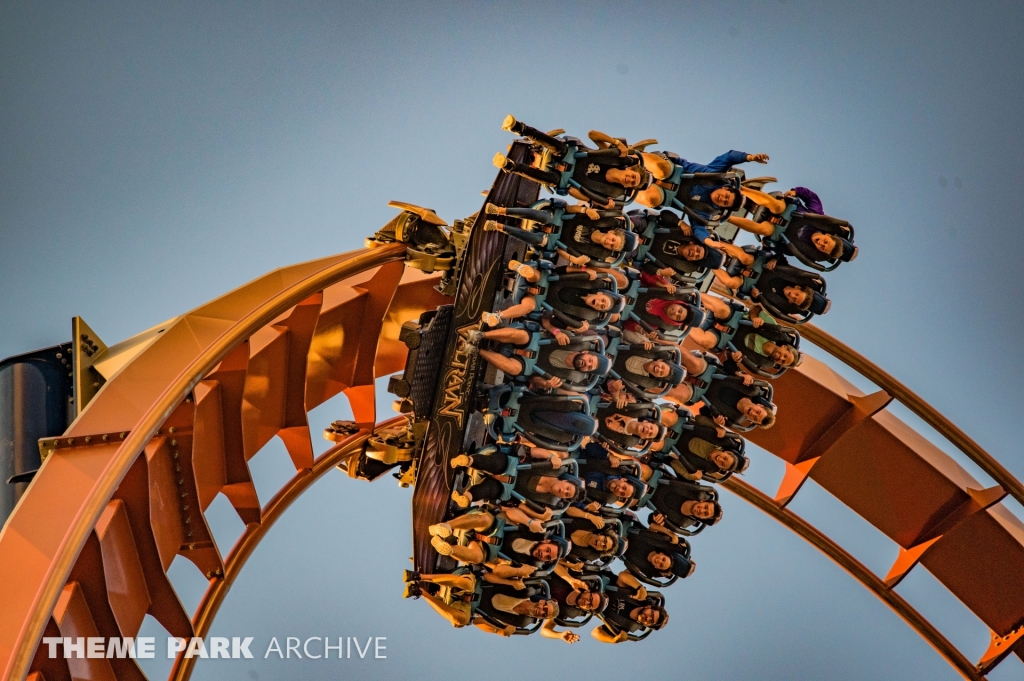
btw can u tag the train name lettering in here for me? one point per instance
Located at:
(454, 378)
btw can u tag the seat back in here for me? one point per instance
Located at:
(551, 285)
(596, 584)
(805, 251)
(696, 209)
(689, 298)
(684, 421)
(599, 255)
(645, 386)
(524, 625)
(543, 364)
(792, 276)
(623, 443)
(759, 364)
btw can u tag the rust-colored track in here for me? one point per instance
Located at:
(858, 571)
(86, 551)
(253, 535)
(909, 489)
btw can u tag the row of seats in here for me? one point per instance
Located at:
(618, 385)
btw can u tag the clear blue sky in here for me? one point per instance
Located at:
(154, 156)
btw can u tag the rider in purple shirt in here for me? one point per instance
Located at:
(815, 242)
(809, 201)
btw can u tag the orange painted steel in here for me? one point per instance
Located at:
(216, 378)
(906, 487)
(87, 549)
(254, 534)
(925, 411)
(859, 572)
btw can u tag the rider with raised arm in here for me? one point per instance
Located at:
(711, 201)
(605, 177)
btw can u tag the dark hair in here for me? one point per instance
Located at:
(662, 617)
(613, 535)
(676, 373)
(639, 487)
(687, 308)
(702, 247)
(626, 480)
(645, 175)
(629, 240)
(808, 297)
(603, 364)
(561, 543)
(737, 197)
(682, 566)
(838, 248)
(661, 429)
(664, 552)
(618, 303)
(717, 514)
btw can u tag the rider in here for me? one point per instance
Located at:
(701, 454)
(502, 603)
(817, 244)
(575, 599)
(708, 201)
(790, 290)
(543, 484)
(657, 552)
(628, 612)
(580, 234)
(572, 296)
(684, 504)
(607, 177)
(576, 361)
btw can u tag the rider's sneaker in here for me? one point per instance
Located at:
(461, 500)
(522, 269)
(492, 226)
(460, 461)
(441, 546)
(500, 161)
(490, 318)
(412, 590)
(443, 530)
(491, 209)
(410, 576)
(509, 123)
